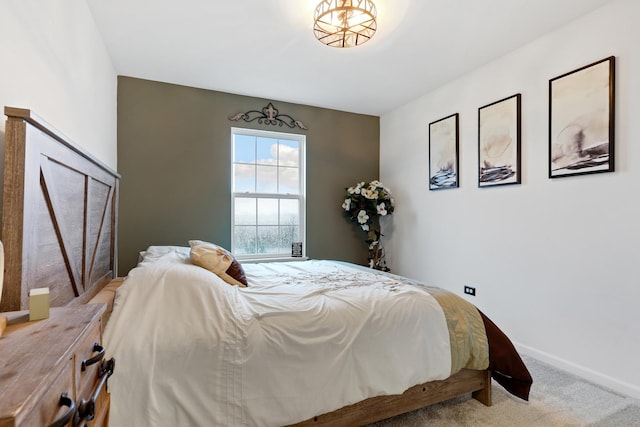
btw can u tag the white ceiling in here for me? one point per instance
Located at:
(266, 48)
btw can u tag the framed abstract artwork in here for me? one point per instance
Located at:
(499, 142)
(443, 153)
(581, 120)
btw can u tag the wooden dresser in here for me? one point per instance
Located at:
(54, 367)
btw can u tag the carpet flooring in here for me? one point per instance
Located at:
(557, 399)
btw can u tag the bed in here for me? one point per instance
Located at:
(59, 215)
(59, 230)
(303, 340)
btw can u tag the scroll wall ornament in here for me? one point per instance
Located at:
(269, 116)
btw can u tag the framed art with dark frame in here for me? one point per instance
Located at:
(499, 142)
(581, 120)
(443, 153)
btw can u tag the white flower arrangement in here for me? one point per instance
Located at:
(365, 203)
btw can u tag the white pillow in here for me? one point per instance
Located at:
(217, 260)
(154, 252)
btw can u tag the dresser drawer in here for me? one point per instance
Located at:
(42, 359)
(102, 410)
(49, 408)
(87, 372)
(89, 359)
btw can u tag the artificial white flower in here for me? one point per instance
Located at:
(347, 204)
(381, 208)
(369, 194)
(358, 188)
(365, 227)
(351, 190)
(363, 217)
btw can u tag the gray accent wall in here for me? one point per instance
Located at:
(174, 154)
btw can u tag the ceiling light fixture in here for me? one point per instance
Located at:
(345, 23)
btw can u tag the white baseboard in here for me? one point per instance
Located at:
(601, 379)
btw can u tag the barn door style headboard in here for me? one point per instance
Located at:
(59, 218)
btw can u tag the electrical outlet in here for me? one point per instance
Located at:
(470, 290)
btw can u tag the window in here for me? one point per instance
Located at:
(268, 193)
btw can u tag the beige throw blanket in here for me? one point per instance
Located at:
(469, 346)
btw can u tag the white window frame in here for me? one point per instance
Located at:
(301, 197)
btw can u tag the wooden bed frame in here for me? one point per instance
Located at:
(478, 383)
(59, 229)
(59, 217)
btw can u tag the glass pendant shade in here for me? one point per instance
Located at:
(345, 23)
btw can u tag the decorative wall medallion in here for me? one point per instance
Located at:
(269, 116)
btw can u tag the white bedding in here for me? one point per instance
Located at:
(305, 338)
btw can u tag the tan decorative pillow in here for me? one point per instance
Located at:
(217, 260)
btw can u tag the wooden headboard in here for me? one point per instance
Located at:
(59, 218)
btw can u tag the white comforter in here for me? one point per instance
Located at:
(304, 338)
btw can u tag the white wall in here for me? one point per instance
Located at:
(555, 262)
(53, 61)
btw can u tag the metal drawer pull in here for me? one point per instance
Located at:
(87, 408)
(64, 420)
(95, 359)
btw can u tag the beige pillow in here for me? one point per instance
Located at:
(217, 260)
